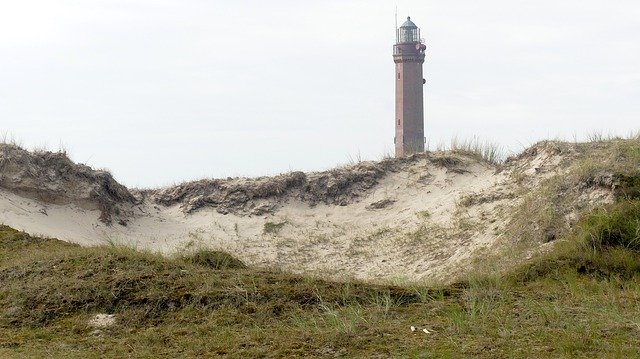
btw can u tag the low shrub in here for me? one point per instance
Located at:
(617, 225)
(628, 187)
(214, 259)
(273, 227)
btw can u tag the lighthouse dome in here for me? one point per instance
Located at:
(409, 24)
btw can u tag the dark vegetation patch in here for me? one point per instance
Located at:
(627, 186)
(614, 226)
(476, 199)
(446, 161)
(459, 171)
(383, 203)
(273, 227)
(213, 259)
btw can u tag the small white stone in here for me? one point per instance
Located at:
(413, 329)
(426, 331)
(102, 320)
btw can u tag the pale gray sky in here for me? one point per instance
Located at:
(161, 91)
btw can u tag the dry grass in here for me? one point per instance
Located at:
(482, 150)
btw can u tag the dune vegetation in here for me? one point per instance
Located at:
(580, 300)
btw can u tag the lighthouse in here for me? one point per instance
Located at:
(408, 55)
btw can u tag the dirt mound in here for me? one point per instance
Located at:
(53, 178)
(243, 196)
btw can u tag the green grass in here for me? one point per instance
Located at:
(213, 259)
(615, 226)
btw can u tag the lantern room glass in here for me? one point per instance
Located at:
(408, 35)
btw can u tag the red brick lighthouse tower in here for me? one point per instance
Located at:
(408, 54)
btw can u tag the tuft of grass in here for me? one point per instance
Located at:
(628, 186)
(380, 232)
(486, 151)
(446, 161)
(273, 227)
(423, 214)
(213, 259)
(617, 225)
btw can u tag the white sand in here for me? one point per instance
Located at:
(331, 241)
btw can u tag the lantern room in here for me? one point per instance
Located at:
(408, 33)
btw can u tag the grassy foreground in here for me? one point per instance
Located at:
(582, 300)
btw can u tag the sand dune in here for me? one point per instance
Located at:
(424, 218)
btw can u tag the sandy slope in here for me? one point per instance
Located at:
(422, 221)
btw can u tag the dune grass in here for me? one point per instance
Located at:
(481, 150)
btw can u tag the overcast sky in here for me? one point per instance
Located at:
(161, 91)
